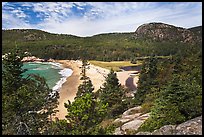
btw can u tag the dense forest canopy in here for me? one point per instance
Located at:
(104, 47)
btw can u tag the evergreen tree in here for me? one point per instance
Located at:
(177, 102)
(113, 94)
(147, 80)
(86, 86)
(83, 71)
(59, 127)
(27, 103)
(84, 113)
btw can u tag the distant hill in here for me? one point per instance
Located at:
(31, 35)
(197, 30)
(166, 32)
(158, 38)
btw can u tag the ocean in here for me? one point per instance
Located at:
(54, 74)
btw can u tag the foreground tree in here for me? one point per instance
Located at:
(83, 70)
(27, 103)
(84, 114)
(178, 102)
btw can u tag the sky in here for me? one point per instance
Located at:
(91, 18)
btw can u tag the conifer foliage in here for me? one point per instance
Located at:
(27, 103)
(112, 93)
(86, 86)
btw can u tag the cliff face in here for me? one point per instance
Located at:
(165, 32)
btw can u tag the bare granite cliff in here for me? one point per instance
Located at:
(166, 32)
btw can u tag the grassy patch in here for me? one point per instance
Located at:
(115, 65)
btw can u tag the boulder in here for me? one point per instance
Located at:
(190, 127)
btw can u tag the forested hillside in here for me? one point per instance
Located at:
(104, 47)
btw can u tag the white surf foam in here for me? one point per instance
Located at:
(66, 72)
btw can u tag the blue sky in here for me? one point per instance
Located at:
(90, 18)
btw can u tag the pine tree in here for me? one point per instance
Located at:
(179, 101)
(112, 93)
(84, 112)
(27, 103)
(83, 71)
(147, 79)
(86, 86)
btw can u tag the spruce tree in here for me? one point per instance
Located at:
(84, 113)
(27, 103)
(83, 71)
(86, 86)
(147, 79)
(112, 93)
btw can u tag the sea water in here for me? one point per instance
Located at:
(54, 74)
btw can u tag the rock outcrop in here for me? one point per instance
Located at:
(190, 127)
(133, 118)
(32, 59)
(165, 32)
(130, 120)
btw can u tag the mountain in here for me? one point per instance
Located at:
(161, 38)
(166, 32)
(197, 30)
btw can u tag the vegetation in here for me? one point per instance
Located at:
(86, 86)
(177, 97)
(113, 94)
(103, 47)
(197, 30)
(84, 113)
(27, 103)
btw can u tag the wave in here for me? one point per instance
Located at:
(40, 69)
(65, 73)
(57, 65)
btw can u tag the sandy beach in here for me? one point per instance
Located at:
(69, 88)
(95, 73)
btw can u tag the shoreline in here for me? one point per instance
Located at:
(96, 74)
(69, 87)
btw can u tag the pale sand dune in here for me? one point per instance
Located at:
(95, 73)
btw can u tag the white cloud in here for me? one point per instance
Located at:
(53, 10)
(102, 17)
(9, 21)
